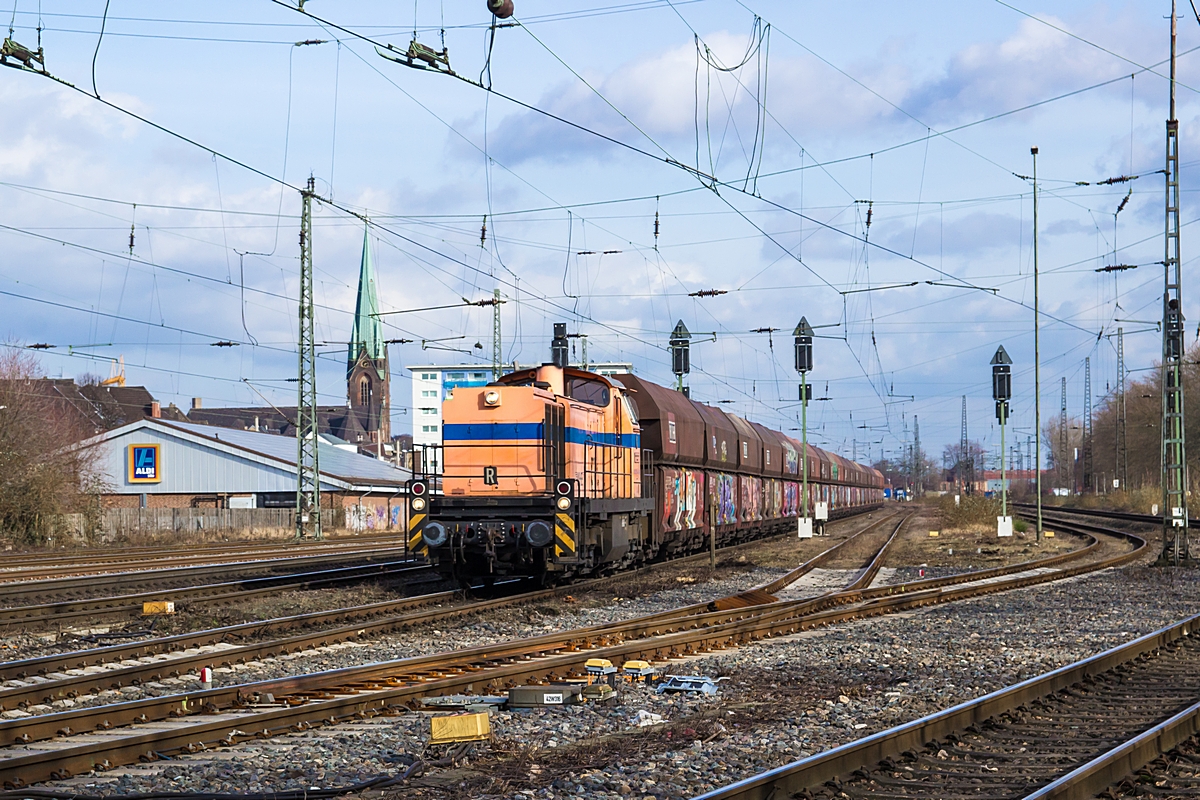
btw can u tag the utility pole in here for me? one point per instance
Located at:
(1037, 357)
(1174, 463)
(1089, 480)
(308, 470)
(1122, 465)
(497, 350)
(966, 477)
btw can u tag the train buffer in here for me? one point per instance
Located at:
(692, 684)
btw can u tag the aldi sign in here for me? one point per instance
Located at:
(145, 464)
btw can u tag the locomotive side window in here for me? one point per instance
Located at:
(594, 393)
(633, 417)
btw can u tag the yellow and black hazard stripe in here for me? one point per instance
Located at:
(564, 536)
(416, 542)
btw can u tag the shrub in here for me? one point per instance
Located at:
(972, 510)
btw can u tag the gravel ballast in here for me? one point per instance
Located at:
(784, 699)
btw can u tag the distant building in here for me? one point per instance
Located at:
(154, 463)
(95, 407)
(365, 420)
(432, 383)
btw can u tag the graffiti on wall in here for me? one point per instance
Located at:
(751, 499)
(370, 518)
(791, 500)
(681, 499)
(721, 488)
(791, 459)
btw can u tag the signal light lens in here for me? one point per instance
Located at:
(564, 487)
(417, 489)
(492, 399)
(564, 503)
(418, 504)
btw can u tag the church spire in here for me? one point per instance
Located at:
(368, 331)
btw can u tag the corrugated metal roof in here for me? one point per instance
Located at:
(350, 467)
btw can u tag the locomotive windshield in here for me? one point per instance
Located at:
(589, 391)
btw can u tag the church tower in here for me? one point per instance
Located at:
(368, 384)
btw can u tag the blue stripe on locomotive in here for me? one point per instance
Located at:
(518, 431)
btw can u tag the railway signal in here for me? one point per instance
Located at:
(1001, 393)
(681, 355)
(804, 363)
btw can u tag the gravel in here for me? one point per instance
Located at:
(785, 698)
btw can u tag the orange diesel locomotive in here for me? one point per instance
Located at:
(555, 472)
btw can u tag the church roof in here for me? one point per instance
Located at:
(367, 334)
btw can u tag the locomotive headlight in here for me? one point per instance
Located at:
(418, 504)
(563, 503)
(491, 398)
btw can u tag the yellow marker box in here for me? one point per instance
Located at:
(460, 728)
(158, 608)
(934, 534)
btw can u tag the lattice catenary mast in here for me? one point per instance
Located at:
(1061, 461)
(1088, 478)
(966, 464)
(1122, 465)
(1174, 451)
(308, 488)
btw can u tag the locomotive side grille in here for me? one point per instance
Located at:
(555, 434)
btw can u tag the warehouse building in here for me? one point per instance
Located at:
(154, 463)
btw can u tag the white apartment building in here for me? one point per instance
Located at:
(431, 383)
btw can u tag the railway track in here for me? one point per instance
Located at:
(186, 651)
(1067, 734)
(38, 566)
(223, 592)
(96, 737)
(197, 720)
(40, 591)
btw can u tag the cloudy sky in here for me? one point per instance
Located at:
(764, 135)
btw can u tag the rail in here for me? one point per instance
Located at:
(269, 707)
(798, 776)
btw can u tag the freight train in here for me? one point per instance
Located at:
(556, 472)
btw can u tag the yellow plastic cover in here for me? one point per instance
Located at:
(460, 728)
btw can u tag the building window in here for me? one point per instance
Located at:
(429, 411)
(429, 376)
(429, 428)
(429, 393)
(476, 375)
(364, 392)
(456, 376)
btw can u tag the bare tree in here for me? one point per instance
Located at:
(46, 468)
